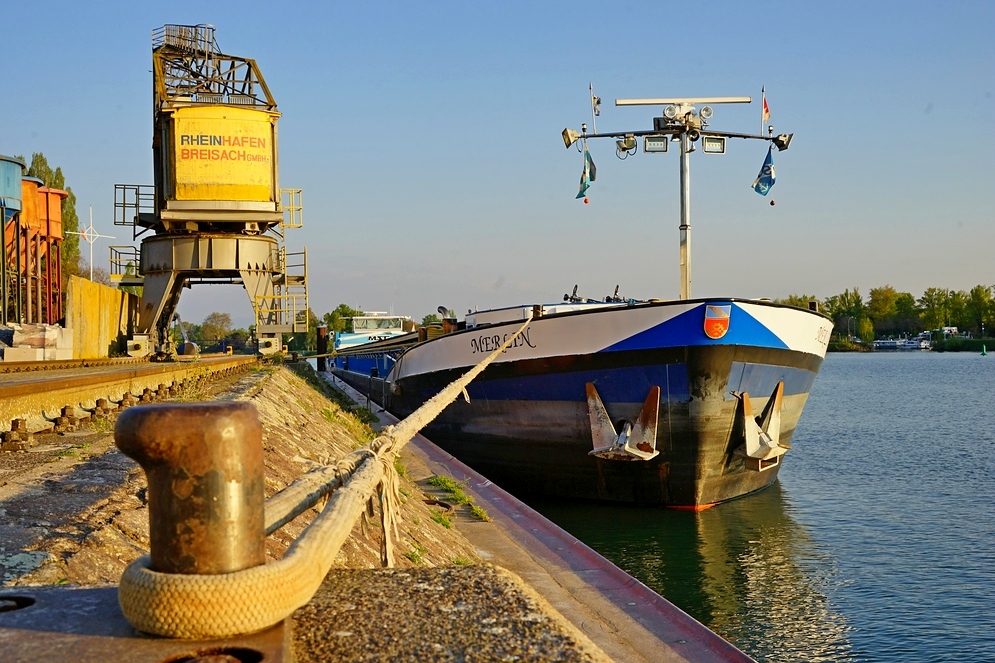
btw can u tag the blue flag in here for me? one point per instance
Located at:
(765, 180)
(589, 175)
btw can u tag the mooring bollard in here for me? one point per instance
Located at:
(204, 463)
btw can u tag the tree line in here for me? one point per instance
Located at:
(888, 313)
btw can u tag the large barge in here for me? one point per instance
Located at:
(529, 421)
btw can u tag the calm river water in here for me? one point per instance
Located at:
(876, 544)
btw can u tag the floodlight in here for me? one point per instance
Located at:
(570, 137)
(655, 144)
(782, 141)
(670, 112)
(705, 112)
(713, 144)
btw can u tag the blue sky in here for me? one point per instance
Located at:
(426, 139)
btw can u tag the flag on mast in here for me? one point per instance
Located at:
(765, 180)
(765, 113)
(589, 175)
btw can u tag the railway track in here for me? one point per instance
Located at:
(58, 399)
(69, 364)
(66, 364)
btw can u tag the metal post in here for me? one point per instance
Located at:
(29, 292)
(3, 265)
(39, 286)
(685, 216)
(204, 463)
(60, 298)
(48, 278)
(322, 348)
(17, 284)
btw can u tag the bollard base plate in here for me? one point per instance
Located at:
(86, 624)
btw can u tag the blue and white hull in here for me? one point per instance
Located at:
(528, 422)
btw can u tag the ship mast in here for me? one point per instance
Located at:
(684, 122)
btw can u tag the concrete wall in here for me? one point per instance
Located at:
(99, 317)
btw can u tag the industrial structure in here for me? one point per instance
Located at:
(216, 213)
(31, 289)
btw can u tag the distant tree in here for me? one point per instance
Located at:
(54, 179)
(957, 311)
(336, 320)
(979, 307)
(100, 274)
(429, 319)
(851, 303)
(908, 319)
(846, 309)
(797, 300)
(893, 313)
(240, 339)
(881, 304)
(215, 328)
(192, 331)
(306, 342)
(865, 329)
(312, 331)
(933, 305)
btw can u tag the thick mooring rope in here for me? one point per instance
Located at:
(215, 606)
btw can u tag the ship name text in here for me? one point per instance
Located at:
(489, 343)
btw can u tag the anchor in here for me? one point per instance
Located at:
(635, 441)
(761, 449)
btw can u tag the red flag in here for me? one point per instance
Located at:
(765, 115)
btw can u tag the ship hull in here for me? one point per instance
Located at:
(527, 426)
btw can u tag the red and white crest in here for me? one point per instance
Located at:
(717, 320)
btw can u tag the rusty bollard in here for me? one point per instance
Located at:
(204, 463)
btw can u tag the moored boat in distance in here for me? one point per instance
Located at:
(371, 327)
(685, 403)
(919, 342)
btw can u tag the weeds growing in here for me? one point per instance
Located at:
(442, 519)
(452, 488)
(479, 513)
(416, 554)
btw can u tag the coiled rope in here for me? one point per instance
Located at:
(216, 606)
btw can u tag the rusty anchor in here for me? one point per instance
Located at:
(635, 441)
(761, 449)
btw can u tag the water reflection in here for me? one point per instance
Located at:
(746, 569)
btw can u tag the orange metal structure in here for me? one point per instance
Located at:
(33, 250)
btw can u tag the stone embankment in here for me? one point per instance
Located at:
(73, 511)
